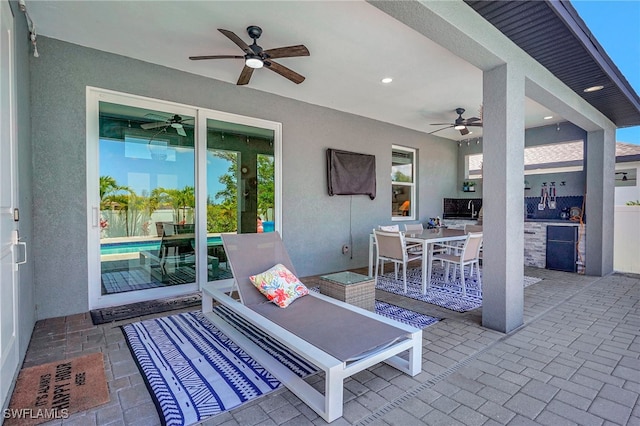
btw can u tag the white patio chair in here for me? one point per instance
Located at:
(469, 255)
(392, 247)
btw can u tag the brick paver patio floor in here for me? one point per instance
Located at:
(575, 361)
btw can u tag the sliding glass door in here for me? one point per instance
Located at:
(164, 181)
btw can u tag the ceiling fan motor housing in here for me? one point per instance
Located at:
(254, 31)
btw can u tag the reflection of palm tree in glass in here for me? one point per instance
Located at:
(178, 199)
(266, 187)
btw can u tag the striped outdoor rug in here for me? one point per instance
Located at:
(194, 371)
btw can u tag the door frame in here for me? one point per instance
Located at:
(9, 343)
(94, 96)
(201, 168)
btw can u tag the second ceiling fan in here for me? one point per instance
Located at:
(460, 123)
(256, 57)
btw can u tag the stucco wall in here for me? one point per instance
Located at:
(315, 226)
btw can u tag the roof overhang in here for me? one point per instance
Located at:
(553, 34)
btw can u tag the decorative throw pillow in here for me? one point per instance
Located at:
(279, 285)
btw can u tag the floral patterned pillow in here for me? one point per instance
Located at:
(279, 285)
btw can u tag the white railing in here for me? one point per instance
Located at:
(626, 246)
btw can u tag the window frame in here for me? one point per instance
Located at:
(411, 186)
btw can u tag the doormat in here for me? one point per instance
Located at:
(133, 310)
(57, 389)
(194, 371)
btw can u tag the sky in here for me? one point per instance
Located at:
(616, 26)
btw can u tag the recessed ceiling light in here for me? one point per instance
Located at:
(593, 89)
(387, 80)
(548, 117)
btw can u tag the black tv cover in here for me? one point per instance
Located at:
(350, 173)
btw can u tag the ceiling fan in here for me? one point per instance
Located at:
(255, 57)
(460, 123)
(624, 177)
(175, 122)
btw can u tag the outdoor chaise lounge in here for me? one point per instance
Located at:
(340, 339)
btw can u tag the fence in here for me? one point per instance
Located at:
(626, 246)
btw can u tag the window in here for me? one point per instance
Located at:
(541, 159)
(626, 177)
(403, 177)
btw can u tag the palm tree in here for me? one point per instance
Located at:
(108, 186)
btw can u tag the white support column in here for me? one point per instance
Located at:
(503, 198)
(600, 160)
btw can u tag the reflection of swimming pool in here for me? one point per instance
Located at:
(138, 246)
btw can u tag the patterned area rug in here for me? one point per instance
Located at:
(406, 316)
(194, 371)
(442, 293)
(397, 313)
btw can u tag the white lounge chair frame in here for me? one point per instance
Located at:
(328, 404)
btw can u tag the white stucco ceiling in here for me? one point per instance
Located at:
(353, 45)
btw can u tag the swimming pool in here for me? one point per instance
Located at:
(138, 246)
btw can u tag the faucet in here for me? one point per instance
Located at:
(472, 207)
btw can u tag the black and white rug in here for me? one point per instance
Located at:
(194, 371)
(442, 292)
(406, 316)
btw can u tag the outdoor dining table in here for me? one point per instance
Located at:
(427, 238)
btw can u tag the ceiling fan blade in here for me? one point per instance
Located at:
(473, 124)
(199, 58)
(237, 40)
(181, 131)
(158, 117)
(287, 52)
(464, 131)
(245, 76)
(442, 124)
(284, 71)
(448, 127)
(147, 126)
(472, 119)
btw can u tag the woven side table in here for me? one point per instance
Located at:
(356, 289)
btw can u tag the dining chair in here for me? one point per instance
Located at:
(414, 247)
(474, 228)
(413, 227)
(392, 247)
(468, 255)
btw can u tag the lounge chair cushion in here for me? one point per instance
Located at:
(340, 332)
(279, 285)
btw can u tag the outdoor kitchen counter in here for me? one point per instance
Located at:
(535, 238)
(535, 241)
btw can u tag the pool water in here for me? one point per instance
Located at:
(138, 246)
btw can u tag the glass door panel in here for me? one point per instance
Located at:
(147, 199)
(240, 186)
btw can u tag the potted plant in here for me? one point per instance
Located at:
(472, 187)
